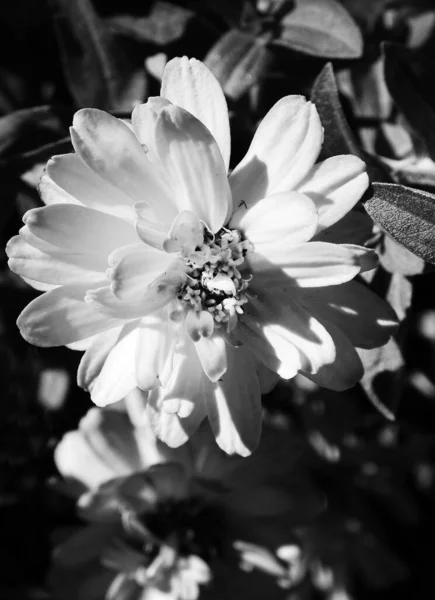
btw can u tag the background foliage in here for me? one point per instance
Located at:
(368, 65)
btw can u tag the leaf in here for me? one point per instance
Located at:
(97, 70)
(321, 28)
(238, 60)
(407, 214)
(165, 24)
(24, 130)
(339, 138)
(409, 76)
(382, 377)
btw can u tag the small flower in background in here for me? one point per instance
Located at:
(157, 528)
(191, 285)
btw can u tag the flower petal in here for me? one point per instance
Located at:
(277, 313)
(68, 176)
(335, 186)
(234, 410)
(355, 227)
(313, 264)
(190, 84)
(367, 320)
(63, 269)
(289, 217)
(134, 267)
(110, 149)
(155, 351)
(143, 119)
(75, 228)
(345, 371)
(95, 356)
(194, 166)
(148, 227)
(186, 384)
(60, 317)
(283, 150)
(212, 355)
(117, 377)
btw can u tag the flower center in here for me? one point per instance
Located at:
(215, 283)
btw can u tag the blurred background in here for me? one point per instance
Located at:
(368, 65)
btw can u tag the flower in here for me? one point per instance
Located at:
(171, 530)
(191, 285)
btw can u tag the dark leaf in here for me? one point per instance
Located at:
(321, 28)
(408, 215)
(238, 60)
(165, 24)
(25, 130)
(409, 77)
(339, 138)
(382, 377)
(96, 68)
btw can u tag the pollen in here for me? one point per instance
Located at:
(214, 281)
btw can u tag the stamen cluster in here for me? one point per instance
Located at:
(215, 283)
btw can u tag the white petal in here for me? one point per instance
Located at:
(283, 150)
(345, 371)
(190, 84)
(110, 434)
(199, 325)
(60, 317)
(313, 264)
(148, 227)
(110, 149)
(194, 166)
(63, 269)
(134, 268)
(187, 384)
(144, 119)
(95, 356)
(277, 313)
(289, 217)
(234, 410)
(212, 352)
(70, 176)
(75, 228)
(76, 460)
(335, 186)
(104, 301)
(51, 193)
(367, 320)
(155, 351)
(185, 235)
(117, 377)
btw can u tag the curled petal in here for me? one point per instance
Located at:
(199, 325)
(186, 233)
(213, 356)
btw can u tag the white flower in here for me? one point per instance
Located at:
(180, 280)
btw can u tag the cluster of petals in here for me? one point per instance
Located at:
(191, 283)
(128, 484)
